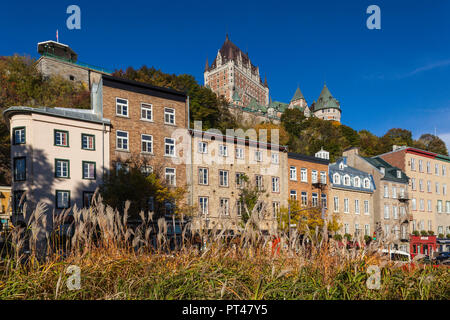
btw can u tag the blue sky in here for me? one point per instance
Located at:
(398, 76)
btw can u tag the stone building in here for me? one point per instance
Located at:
(146, 125)
(326, 107)
(308, 180)
(58, 155)
(222, 166)
(232, 75)
(429, 182)
(351, 199)
(390, 197)
(59, 59)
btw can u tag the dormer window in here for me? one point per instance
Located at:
(357, 182)
(382, 170)
(366, 183)
(347, 180)
(399, 174)
(341, 166)
(336, 178)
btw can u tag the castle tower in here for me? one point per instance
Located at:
(298, 101)
(326, 107)
(231, 72)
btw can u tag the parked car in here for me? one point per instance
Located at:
(443, 256)
(397, 255)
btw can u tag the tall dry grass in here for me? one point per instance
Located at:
(121, 259)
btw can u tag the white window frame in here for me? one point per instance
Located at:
(168, 143)
(275, 184)
(169, 116)
(223, 178)
(366, 207)
(121, 140)
(304, 175)
(223, 150)
(239, 153)
(146, 108)
(202, 147)
(203, 176)
(336, 204)
(147, 143)
(170, 175)
(346, 206)
(122, 105)
(203, 205)
(293, 173)
(275, 158)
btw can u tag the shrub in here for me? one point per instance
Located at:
(441, 235)
(430, 232)
(337, 237)
(423, 233)
(416, 233)
(367, 239)
(348, 237)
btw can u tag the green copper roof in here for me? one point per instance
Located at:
(253, 104)
(297, 95)
(325, 101)
(280, 106)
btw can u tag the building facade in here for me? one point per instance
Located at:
(5, 206)
(308, 180)
(58, 155)
(429, 183)
(390, 198)
(222, 166)
(351, 199)
(147, 123)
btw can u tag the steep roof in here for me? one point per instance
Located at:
(390, 172)
(325, 101)
(297, 95)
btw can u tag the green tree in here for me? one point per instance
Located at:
(431, 143)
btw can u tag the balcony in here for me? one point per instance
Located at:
(403, 197)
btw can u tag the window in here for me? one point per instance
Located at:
(444, 171)
(336, 178)
(395, 212)
(203, 176)
(146, 170)
(275, 209)
(346, 207)
(315, 199)
(61, 138)
(413, 204)
(428, 187)
(366, 207)
(347, 180)
(122, 140)
(293, 195)
(293, 173)
(394, 192)
(366, 183)
(437, 187)
(203, 202)
(224, 206)
(169, 116)
(436, 169)
(421, 185)
(346, 228)
(428, 167)
(223, 178)
(399, 174)
(19, 135)
(336, 204)
(420, 165)
(170, 176)
(275, 184)
(356, 228)
(413, 164)
(147, 143)
(422, 205)
(169, 147)
(367, 230)
(304, 175)
(413, 183)
(146, 112)
(223, 150)
(240, 207)
(87, 198)
(62, 168)
(62, 199)
(122, 107)
(447, 206)
(357, 182)
(122, 167)
(240, 179)
(259, 182)
(20, 169)
(239, 153)
(439, 206)
(386, 211)
(275, 158)
(89, 170)
(323, 177)
(202, 147)
(323, 198)
(314, 176)
(87, 141)
(386, 191)
(429, 206)
(304, 198)
(258, 155)
(356, 206)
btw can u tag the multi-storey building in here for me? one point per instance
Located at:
(308, 180)
(429, 183)
(59, 156)
(222, 166)
(233, 75)
(5, 206)
(145, 124)
(351, 199)
(59, 59)
(390, 197)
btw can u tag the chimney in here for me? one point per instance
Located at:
(396, 147)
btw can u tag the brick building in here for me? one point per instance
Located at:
(429, 182)
(145, 125)
(308, 180)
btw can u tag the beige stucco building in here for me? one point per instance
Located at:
(216, 179)
(58, 155)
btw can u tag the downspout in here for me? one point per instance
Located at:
(191, 151)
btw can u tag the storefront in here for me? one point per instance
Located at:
(443, 245)
(422, 245)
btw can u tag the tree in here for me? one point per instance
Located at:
(432, 143)
(249, 197)
(282, 134)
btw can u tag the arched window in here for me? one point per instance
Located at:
(347, 180)
(366, 183)
(336, 178)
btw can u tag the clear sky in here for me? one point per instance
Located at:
(398, 76)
